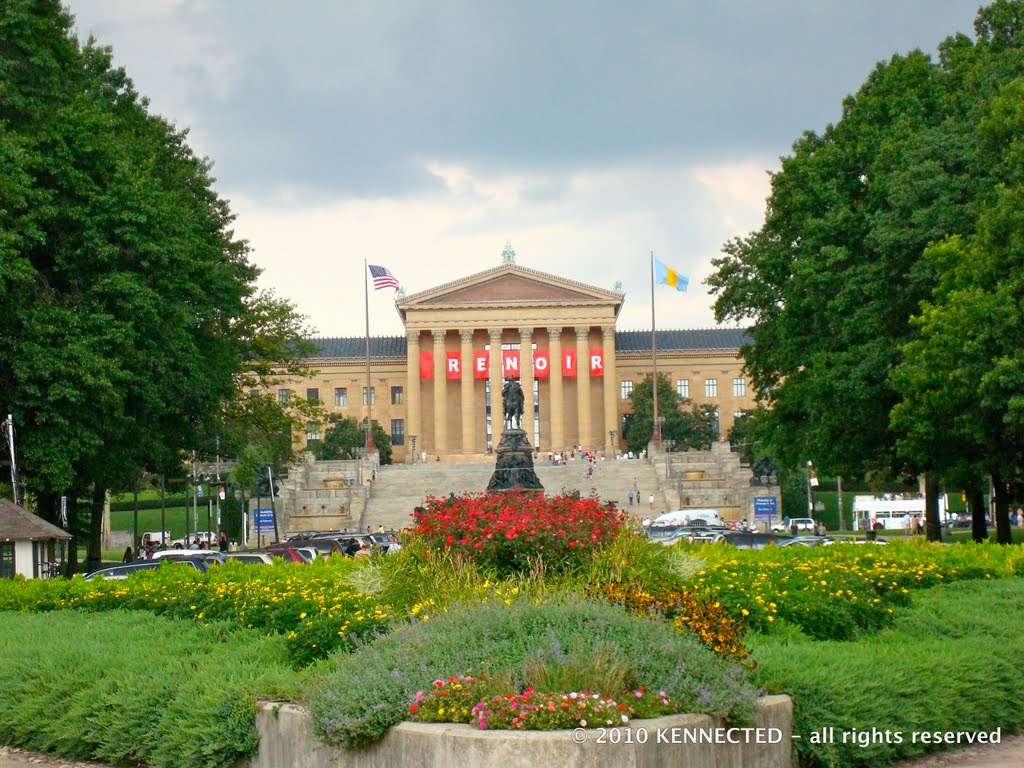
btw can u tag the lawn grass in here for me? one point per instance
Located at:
(951, 662)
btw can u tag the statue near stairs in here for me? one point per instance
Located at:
(514, 466)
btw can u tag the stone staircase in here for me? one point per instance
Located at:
(402, 487)
(712, 479)
(323, 495)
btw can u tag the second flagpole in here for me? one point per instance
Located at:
(370, 446)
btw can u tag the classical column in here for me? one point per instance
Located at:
(412, 389)
(497, 414)
(526, 379)
(468, 418)
(583, 385)
(611, 385)
(557, 408)
(440, 402)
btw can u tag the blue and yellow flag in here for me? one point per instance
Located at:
(665, 276)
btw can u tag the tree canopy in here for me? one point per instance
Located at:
(131, 315)
(848, 257)
(688, 426)
(345, 434)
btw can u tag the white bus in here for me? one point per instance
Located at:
(891, 512)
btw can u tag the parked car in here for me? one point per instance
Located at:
(807, 541)
(125, 570)
(801, 523)
(251, 558)
(288, 554)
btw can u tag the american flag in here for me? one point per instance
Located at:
(382, 277)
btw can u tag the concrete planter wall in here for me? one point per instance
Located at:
(286, 739)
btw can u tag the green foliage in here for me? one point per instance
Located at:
(372, 689)
(117, 687)
(124, 291)
(304, 603)
(345, 435)
(690, 426)
(923, 153)
(935, 670)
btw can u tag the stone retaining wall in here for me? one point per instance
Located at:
(286, 739)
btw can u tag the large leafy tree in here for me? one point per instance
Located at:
(345, 435)
(689, 426)
(129, 305)
(833, 277)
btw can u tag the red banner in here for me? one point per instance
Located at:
(426, 365)
(569, 362)
(510, 363)
(541, 364)
(454, 365)
(480, 365)
(597, 362)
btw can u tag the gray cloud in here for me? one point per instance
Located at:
(348, 99)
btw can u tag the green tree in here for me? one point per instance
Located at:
(128, 302)
(345, 435)
(833, 277)
(689, 426)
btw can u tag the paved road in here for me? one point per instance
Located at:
(1008, 754)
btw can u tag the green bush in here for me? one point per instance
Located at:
(372, 689)
(132, 687)
(951, 662)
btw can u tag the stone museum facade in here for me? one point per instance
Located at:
(431, 389)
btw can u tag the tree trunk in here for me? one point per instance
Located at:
(94, 556)
(933, 525)
(1002, 491)
(979, 528)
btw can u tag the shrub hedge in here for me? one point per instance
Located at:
(129, 687)
(950, 663)
(372, 689)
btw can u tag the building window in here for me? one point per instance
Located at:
(313, 395)
(398, 431)
(312, 432)
(626, 389)
(397, 394)
(7, 560)
(373, 395)
(341, 396)
(710, 387)
(284, 396)
(739, 387)
(683, 387)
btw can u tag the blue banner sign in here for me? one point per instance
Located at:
(765, 507)
(264, 519)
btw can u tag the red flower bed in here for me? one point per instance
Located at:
(506, 530)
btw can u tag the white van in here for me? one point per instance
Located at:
(687, 517)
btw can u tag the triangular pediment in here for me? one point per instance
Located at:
(510, 284)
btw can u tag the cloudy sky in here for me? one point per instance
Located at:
(424, 135)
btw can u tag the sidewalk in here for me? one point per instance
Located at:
(1008, 754)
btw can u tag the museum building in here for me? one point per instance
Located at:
(431, 389)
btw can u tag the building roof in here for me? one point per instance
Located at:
(380, 346)
(625, 341)
(699, 339)
(18, 524)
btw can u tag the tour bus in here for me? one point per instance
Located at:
(891, 512)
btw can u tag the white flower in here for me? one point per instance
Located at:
(583, 723)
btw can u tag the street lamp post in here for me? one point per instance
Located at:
(659, 422)
(810, 501)
(413, 438)
(611, 443)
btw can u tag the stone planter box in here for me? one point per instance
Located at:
(286, 739)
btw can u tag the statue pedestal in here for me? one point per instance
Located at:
(514, 468)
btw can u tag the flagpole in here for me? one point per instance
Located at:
(654, 358)
(370, 447)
